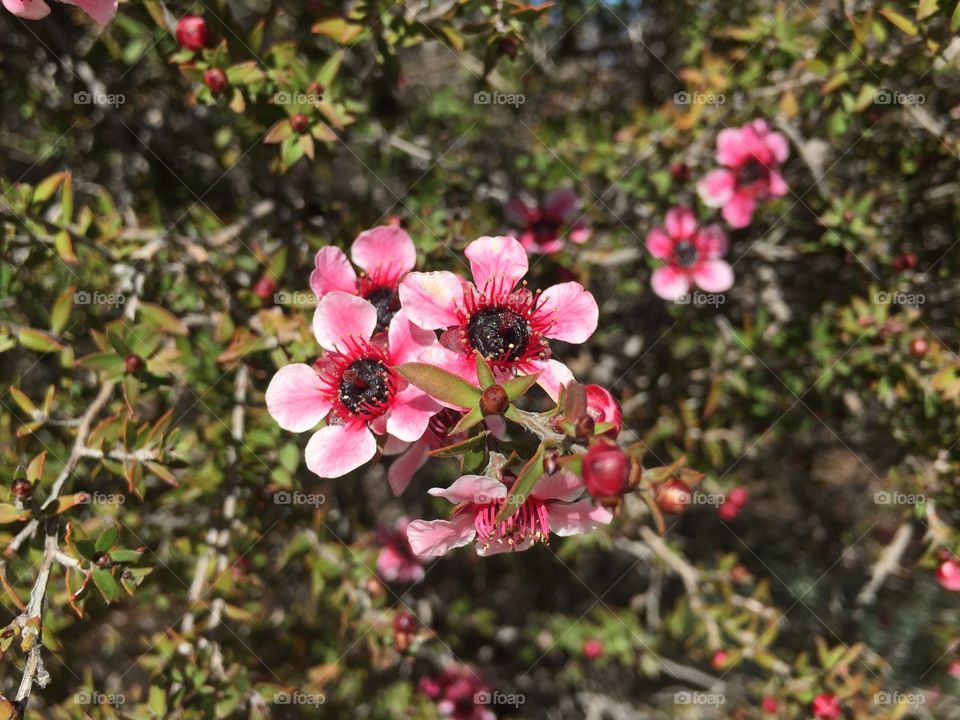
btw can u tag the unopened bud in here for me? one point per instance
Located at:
(673, 497)
(494, 401)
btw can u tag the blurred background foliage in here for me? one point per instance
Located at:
(144, 214)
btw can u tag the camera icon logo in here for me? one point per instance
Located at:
(282, 498)
(682, 98)
(481, 97)
(481, 698)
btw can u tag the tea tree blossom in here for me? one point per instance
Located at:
(543, 226)
(384, 254)
(397, 561)
(550, 508)
(692, 256)
(458, 693)
(752, 156)
(603, 407)
(354, 386)
(509, 325)
(102, 11)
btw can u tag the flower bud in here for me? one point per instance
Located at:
(919, 347)
(904, 261)
(494, 401)
(133, 363)
(719, 659)
(605, 470)
(680, 171)
(769, 705)
(825, 707)
(300, 124)
(673, 497)
(21, 488)
(192, 32)
(404, 629)
(948, 575)
(592, 649)
(264, 288)
(216, 80)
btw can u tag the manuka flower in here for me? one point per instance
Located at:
(548, 509)
(384, 255)
(396, 561)
(459, 694)
(510, 326)
(354, 386)
(603, 407)
(752, 156)
(692, 256)
(102, 11)
(542, 227)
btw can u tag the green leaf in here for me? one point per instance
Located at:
(926, 8)
(107, 539)
(162, 319)
(38, 340)
(467, 421)
(47, 187)
(25, 403)
(900, 21)
(9, 514)
(106, 584)
(484, 371)
(131, 391)
(107, 362)
(441, 385)
(524, 485)
(60, 312)
(125, 556)
(518, 386)
(955, 19)
(458, 448)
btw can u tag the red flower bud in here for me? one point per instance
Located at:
(133, 363)
(680, 171)
(769, 705)
(404, 622)
(904, 261)
(264, 288)
(605, 470)
(216, 80)
(919, 347)
(300, 124)
(192, 32)
(494, 401)
(592, 649)
(825, 707)
(719, 659)
(21, 488)
(673, 497)
(948, 575)
(738, 496)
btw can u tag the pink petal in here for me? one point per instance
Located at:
(659, 243)
(553, 374)
(712, 241)
(27, 9)
(580, 232)
(294, 398)
(777, 186)
(335, 450)
(501, 259)
(405, 467)
(739, 211)
(778, 146)
(560, 204)
(438, 537)
(680, 222)
(603, 407)
(670, 283)
(410, 414)
(561, 485)
(572, 312)
(731, 147)
(529, 242)
(714, 276)
(386, 248)
(576, 518)
(520, 210)
(407, 341)
(394, 567)
(431, 299)
(332, 272)
(716, 187)
(340, 316)
(102, 11)
(478, 489)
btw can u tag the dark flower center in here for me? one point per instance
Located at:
(364, 383)
(685, 253)
(751, 172)
(545, 229)
(387, 302)
(498, 333)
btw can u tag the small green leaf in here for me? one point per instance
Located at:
(131, 392)
(60, 312)
(484, 371)
(38, 340)
(25, 403)
(441, 385)
(106, 584)
(526, 481)
(9, 514)
(125, 556)
(35, 468)
(107, 362)
(926, 8)
(518, 386)
(900, 21)
(467, 421)
(458, 448)
(107, 539)
(162, 319)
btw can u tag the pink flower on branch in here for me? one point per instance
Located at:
(397, 561)
(458, 693)
(752, 156)
(508, 325)
(692, 256)
(550, 508)
(543, 226)
(354, 386)
(102, 11)
(384, 254)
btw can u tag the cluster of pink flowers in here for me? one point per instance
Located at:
(370, 322)
(692, 254)
(102, 11)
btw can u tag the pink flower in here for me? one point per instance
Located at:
(542, 226)
(752, 156)
(603, 407)
(384, 255)
(508, 326)
(692, 256)
(826, 707)
(550, 508)
(459, 694)
(102, 11)
(354, 386)
(948, 575)
(397, 562)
